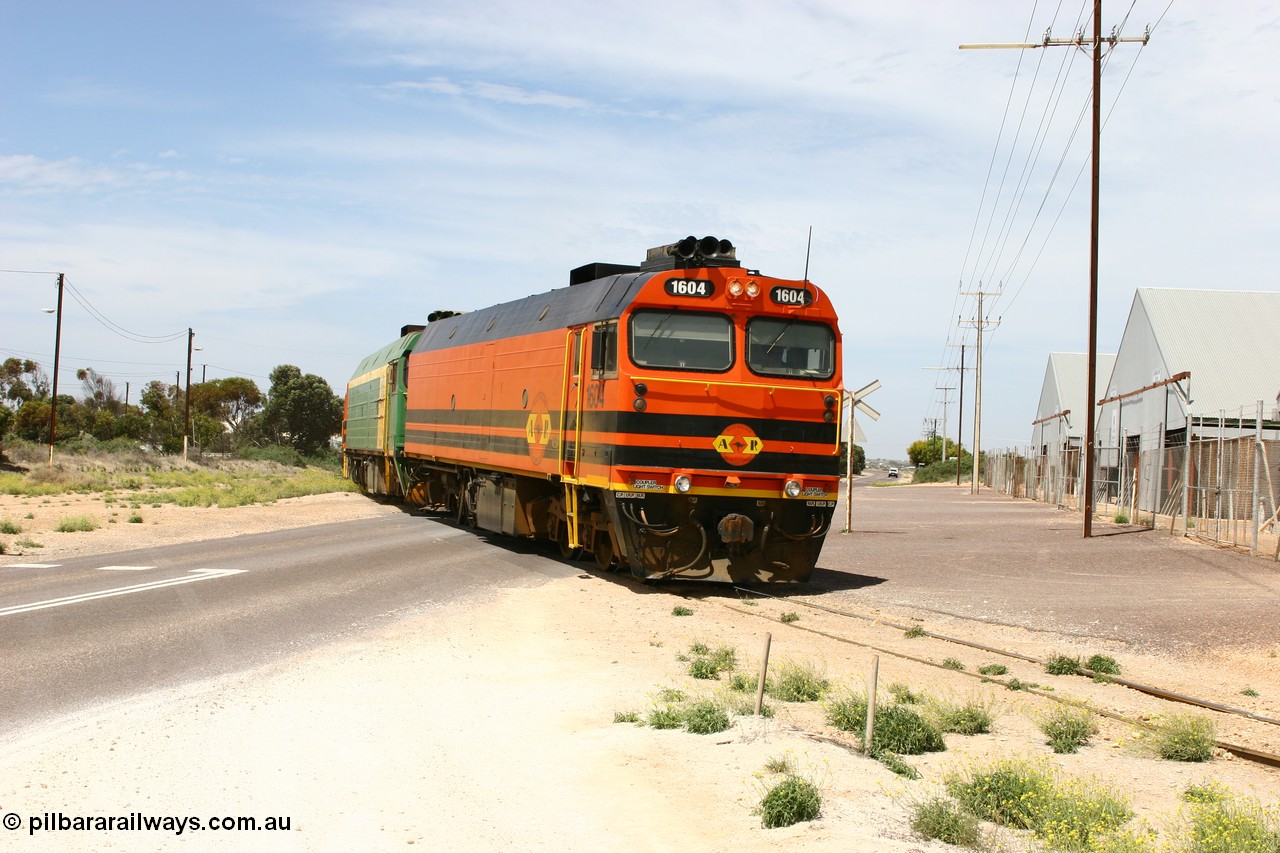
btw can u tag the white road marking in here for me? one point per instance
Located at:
(124, 568)
(191, 577)
(32, 566)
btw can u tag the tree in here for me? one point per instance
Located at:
(99, 392)
(926, 451)
(301, 411)
(859, 458)
(21, 380)
(232, 402)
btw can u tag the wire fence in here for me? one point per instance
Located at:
(1215, 478)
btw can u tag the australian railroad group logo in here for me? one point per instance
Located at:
(738, 444)
(537, 429)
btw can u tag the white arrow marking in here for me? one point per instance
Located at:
(32, 566)
(192, 577)
(124, 568)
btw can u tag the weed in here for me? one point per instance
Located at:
(135, 519)
(746, 707)
(28, 543)
(7, 526)
(953, 663)
(2, 548)
(1102, 665)
(1063, 665)
(671, 696)
(994, 669)
(1023, 795)
(940, 819)
(971, 718)
(780, 764)
(76, 524)
(794, 682)
(30, 515)
(1018, 684)
(1208, 792)
(895, 764)
(904, 694)
(666, 718)
(912, 633)
(626, 717)
(743, 682)
(705, 718)
(1227, 825)
(898, 729)
(1068, 728)
(1250, 692)
(789, 802)
(704, 668)
(699, 649)
(1185, 738)
(1120, 518)
(681, 610)
(656, 643)
(789, 617)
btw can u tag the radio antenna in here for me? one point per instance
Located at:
(807, 246)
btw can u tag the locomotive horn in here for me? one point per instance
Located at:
(725, 248)
(685, 248)
(707, 246)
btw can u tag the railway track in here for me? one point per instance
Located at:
(1239, 750)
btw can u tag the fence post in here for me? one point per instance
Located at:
(872, 680)
(764, 669)
(1257, 475)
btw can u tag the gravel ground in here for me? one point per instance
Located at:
(488, 723)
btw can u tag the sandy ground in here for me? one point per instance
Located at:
(487, 724)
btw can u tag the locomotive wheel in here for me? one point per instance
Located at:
(604, 552)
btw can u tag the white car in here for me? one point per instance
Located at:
(893, 473)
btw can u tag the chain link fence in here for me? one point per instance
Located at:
(1216, 478)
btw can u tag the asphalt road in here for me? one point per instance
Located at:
(89, 631)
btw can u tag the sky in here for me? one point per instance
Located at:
(294, 181)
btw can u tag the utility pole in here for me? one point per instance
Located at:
(945, 401)
(960, 416)
(57, 352)
(979, 322)
(186, 415)
(1091, 415)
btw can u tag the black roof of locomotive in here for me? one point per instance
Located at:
(602, 299)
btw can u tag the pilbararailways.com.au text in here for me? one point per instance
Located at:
(139, 822)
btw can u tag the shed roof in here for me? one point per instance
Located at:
(1228, 339)
(1070, 372)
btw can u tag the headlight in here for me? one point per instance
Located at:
(735, 288)
(684, 483)
(753, 289)
(792, 488)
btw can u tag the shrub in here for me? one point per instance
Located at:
(666, 717)
(626, 717)
(743, 682)
(895, 764)
(953, 663)
(681, 610)
(1226, 825)
(76, 524)
(10, 527)
(1120, 518)
(940, 819)
(904, 694)
(971, 718)
(780, 764)
(1006, 793)
(790, 801)
(993, 669)
(793, 682)
(705, 717)
(912, 633)
(1063, 665)
(1103, 665)
(1068, 729)
(135, 519)
(899, 729)
(704, 668)
(790, 616)
(1185, 738)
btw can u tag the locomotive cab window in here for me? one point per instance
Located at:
(780, 347)
(681, 340)
(604, 350)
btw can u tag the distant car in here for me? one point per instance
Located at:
(893, 473)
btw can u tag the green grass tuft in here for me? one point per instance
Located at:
(795, 682)
(993, 669)
(1185, 737)
(789, 802)
(1063, 665)
(1068, 729)
(681, 610)
(76, 524)
(789, 616)
(939, 819)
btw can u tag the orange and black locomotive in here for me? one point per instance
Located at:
(675, 419)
